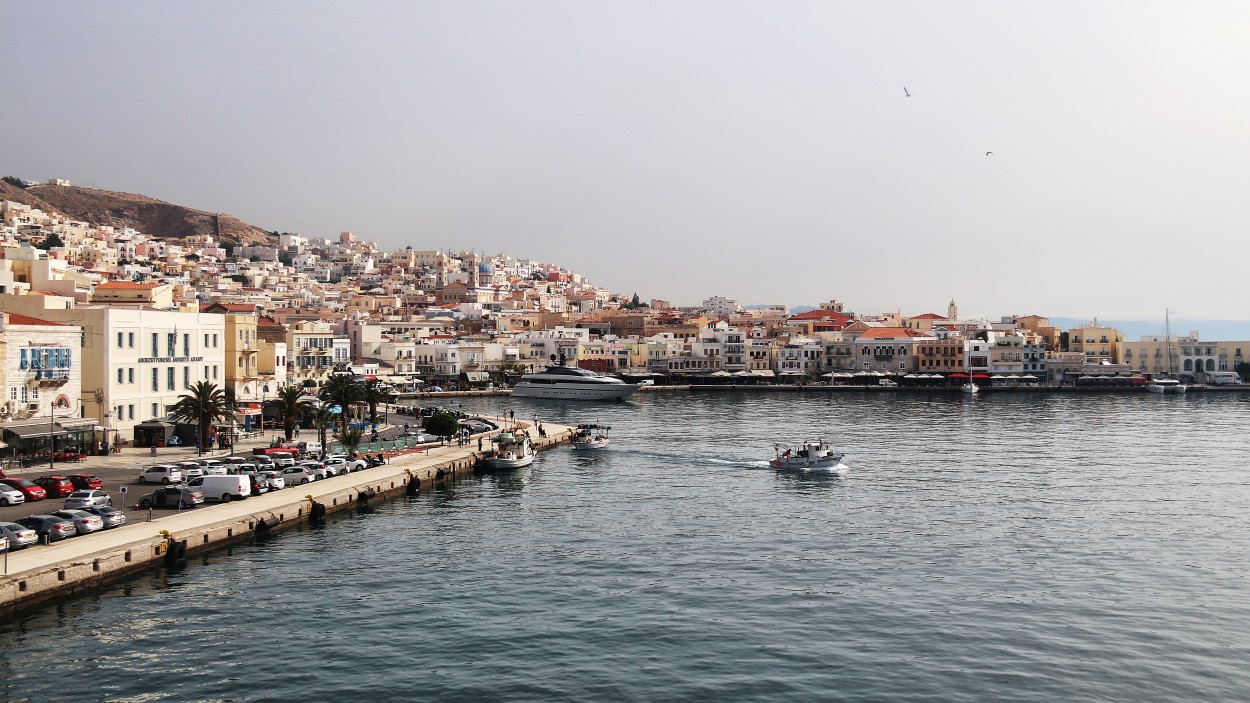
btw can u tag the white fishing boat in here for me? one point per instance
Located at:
(591, 436)
(814, 455)
(509, 450)
(572, 383)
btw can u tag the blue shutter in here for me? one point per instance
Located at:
(23, 362)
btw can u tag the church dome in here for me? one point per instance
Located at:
(484, 268)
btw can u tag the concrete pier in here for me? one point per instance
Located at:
(41, 573)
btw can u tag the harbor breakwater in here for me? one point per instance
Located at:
(43, 573)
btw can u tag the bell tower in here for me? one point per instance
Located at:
(952, 311)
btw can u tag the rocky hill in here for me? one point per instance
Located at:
(147, 215)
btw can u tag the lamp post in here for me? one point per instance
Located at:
(52, 438)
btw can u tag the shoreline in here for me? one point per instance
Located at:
(72, 566)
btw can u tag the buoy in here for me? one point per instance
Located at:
(267, 524)
(316, 513)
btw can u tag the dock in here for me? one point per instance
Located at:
(45, 572)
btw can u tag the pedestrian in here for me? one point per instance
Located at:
(479, 444)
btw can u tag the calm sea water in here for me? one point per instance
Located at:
(978, 549)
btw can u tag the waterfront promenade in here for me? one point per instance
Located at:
(44, 572)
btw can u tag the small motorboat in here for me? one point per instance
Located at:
(814, 455)
(509, 450)
(591, 436)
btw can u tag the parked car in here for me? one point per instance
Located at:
(84, 522)
(236, 460)
(351, 463)
(296, 475)
(49, 527)
(171, 497)
(274, 478)
(212, 467)
(415, 435)
(10, 495)
(86, 499)
(161, 473)
(318, 470)
(190, 470)
(259, 484)
(55, 486)
(27, 488)
(84, 482)
(263, 461)
(18, 536)
(283, 459)
(111, 516)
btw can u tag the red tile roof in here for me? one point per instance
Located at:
(889, 333)
(928, 316)
(16, 319)
(822, 314)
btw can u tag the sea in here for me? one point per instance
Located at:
(1009, 547)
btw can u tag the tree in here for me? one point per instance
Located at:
(1244, 370)
(292, 403)
(351, 438)
(1063, 341)
(51, 241)
(442, 424)
(323, 420)
(341, 390)
(15, 182)
(372, 394)
(202, 405)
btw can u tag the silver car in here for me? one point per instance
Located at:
(10, 495)
(111, 516)
(86, 499)
(17, 536)
(84, 521)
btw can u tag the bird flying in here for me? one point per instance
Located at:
(905, 93)
(989, 153)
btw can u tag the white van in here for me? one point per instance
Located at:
(222, 488)
(309, 449)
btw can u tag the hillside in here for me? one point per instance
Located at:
(148, 215)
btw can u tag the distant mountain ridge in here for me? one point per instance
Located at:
(147, 215)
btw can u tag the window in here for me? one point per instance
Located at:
(156, 347)
(206, 339)
(186, 376)
(132, 411)
(120, 413)
(130, 374)
(214, 372)
(171, 343)
(130, 339)
(156, 379)
(169, 378)
(154, 410)
(121, 375)
(214, 340)
(119, 340)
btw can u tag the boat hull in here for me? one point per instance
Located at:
(831, 467)
(499, 464)
(574, 391)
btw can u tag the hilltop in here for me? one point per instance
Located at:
(147, 215)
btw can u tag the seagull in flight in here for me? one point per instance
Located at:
(989, 153)
(905, 93)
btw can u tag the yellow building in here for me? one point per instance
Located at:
(1098, 344)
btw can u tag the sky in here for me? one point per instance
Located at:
(766, 152)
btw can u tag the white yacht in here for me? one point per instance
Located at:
(1165, 385)
(571, 383)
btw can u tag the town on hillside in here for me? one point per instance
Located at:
(107, 328)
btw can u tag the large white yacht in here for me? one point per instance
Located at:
(570, 383)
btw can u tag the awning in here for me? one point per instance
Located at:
(980, 375)
(476, 376)
(42, 429)
(958, 375)
(78, 424)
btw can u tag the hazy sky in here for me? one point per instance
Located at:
(761, 151)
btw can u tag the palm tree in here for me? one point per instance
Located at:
(372, 394)
(341, 390)
(323, 420)
(351, 438)
(292, 404)
(202, 405)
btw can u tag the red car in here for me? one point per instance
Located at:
(86, 482)
(56, 486)
(28, 488)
